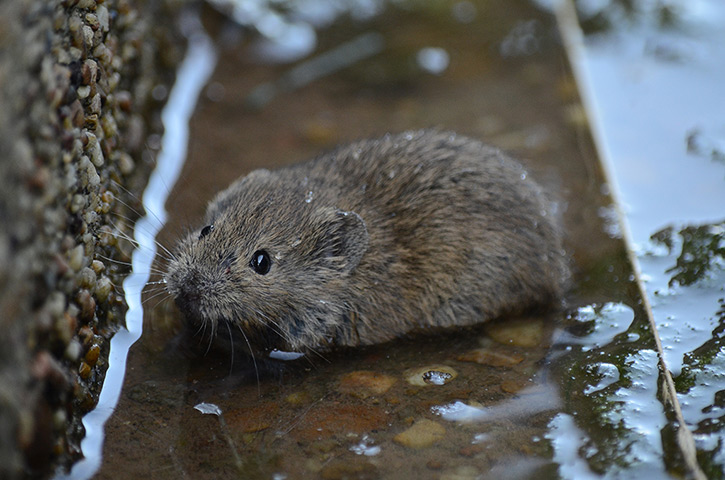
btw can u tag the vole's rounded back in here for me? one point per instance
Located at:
(368, 242)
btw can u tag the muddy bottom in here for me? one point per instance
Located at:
(518, 398)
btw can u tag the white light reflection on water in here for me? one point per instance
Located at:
(208, 409)
(609, 320)
(630, 395)
(698, 405)
(633, 409)
(193, 74)
(644, 107)
(684, 314)
(638, 409)
(288, 28)
(655, 103)
(609, 375)
(366, 447)
(528, 402)
(433, 60)
(567, 440)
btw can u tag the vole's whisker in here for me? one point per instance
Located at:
(212, 334)
(139, 214)
(231, 346)
(162, 299)
(276, 327)
(201, 331)
(109, 259)
(152, 269)
(251, 353)
(161, 251)
(155, 294)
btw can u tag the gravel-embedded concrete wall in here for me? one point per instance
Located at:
(76, 107)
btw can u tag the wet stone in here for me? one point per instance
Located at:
(126, 164)
(514, 385)
(84, 370)
(90, 4)
(421, 434)
(298, 398)
(491, 358)
(87, 304)
(522, 332)
(325, 446)
(83, 91)
(92, 355)
(65, 325)
(73, 350)
(364, 383)
(97, 266)
(336, 419)
(86, 278)
(78, 203)
(75, 258)
(103, 288)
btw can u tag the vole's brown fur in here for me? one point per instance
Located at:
(368, 242)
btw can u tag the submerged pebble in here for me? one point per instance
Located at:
(522, 332)
(421, 434)
(333, 419)
(298, 398)
(492, 358)
(364, 383)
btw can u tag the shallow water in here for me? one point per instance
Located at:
(567, 395)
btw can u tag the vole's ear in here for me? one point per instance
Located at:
(342, 237)
(225, 198)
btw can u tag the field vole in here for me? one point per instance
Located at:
(368, 242)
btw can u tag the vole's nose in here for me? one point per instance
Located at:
(187, 296)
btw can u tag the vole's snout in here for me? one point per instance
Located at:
(187, 300)
(187, 295)
(186, 292)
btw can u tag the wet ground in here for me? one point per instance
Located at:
(571, 394)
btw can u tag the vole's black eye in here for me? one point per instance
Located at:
(206, 231)
(261, 263)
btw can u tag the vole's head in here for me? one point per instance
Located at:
(269, 264)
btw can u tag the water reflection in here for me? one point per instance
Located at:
(614, 416)
(527, 402)
(567, 441)
(653, 82)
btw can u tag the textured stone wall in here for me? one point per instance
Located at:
(78, 98)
